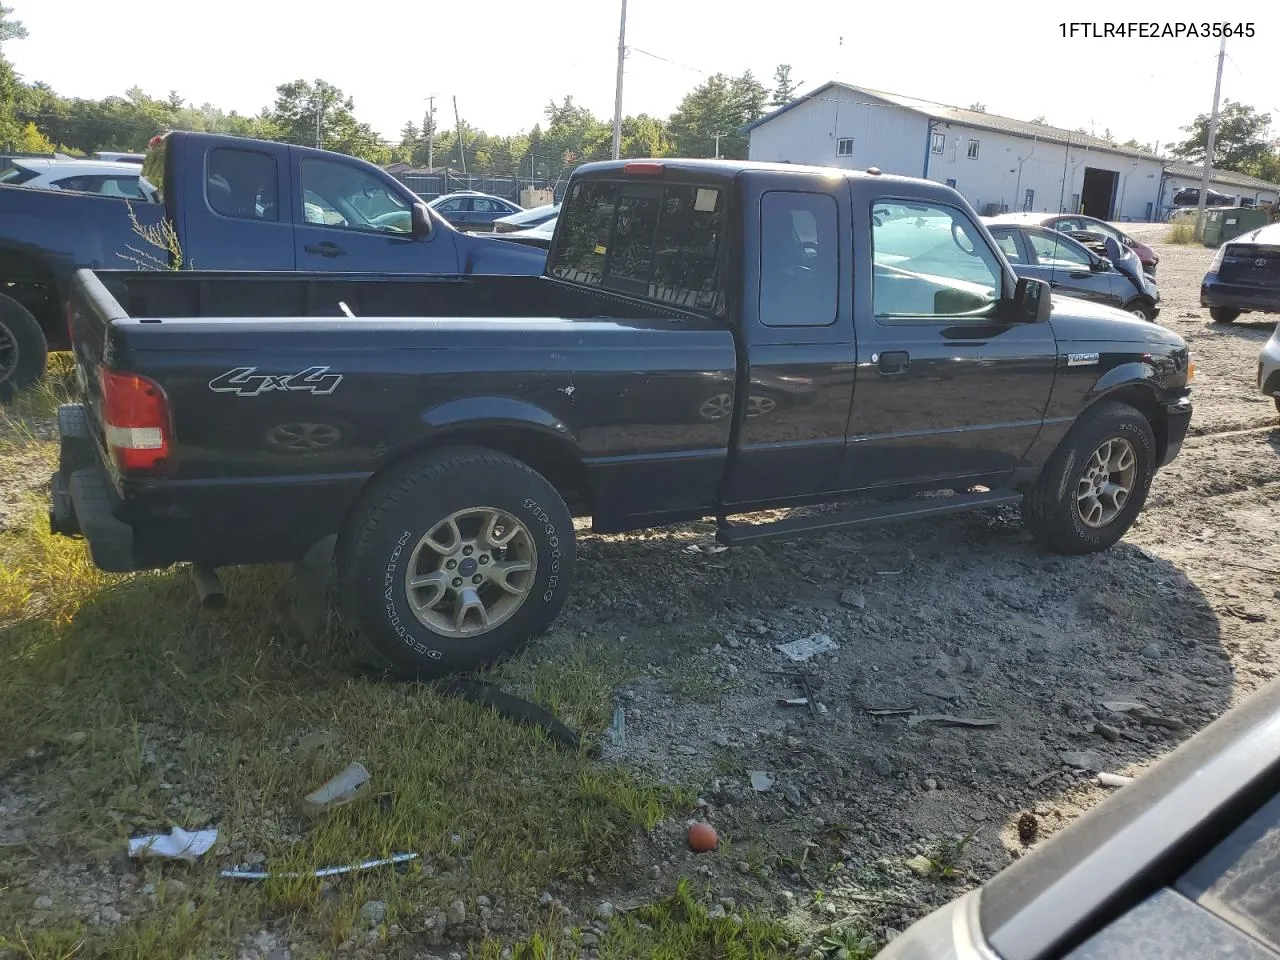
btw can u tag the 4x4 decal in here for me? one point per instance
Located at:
(246, 382)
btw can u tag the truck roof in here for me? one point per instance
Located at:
(729, 169)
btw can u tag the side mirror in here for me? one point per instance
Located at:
(1101, 265)
(421, 221)
(1031, 301)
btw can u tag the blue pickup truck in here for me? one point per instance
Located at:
(234, 204)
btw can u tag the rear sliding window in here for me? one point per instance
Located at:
(653, 240)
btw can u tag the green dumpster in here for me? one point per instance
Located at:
(1226, 223)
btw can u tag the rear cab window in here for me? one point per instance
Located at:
(659, 241)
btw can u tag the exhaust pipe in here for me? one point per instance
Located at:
(208, 587)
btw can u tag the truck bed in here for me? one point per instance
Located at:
(222, 295)
(276, 395)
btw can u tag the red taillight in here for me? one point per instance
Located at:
(136, 421)
(642, 168)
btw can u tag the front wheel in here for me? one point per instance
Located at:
(455, 561)
(1141, 310)
(1095, 484)
(1223, 314)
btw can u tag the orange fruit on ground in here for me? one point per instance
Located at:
(702, 837)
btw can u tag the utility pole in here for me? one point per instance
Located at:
(431, 131)
(717, 146)
(617, 97)
(462, 153)
(1208, 149)
(319, 115)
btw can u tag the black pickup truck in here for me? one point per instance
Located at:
(234, 204)
(710, 338)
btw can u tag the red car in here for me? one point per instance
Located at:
(1072, 222)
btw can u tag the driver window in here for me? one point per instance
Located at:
(929, 261)
(1054, 251)
(343, 197)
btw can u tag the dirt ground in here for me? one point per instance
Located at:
(879, 808)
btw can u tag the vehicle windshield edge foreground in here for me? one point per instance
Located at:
(708, 339)
(1175, 864)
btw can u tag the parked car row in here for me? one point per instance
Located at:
(1110, 273)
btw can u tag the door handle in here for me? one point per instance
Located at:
(893, 362)
(326, 249)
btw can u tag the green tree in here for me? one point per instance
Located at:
(719, 106)
(320, 114)
(645, 136)
(784, 88)
(1241, 143)
(10, 86)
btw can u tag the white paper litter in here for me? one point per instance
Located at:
(799, 651)
(177, 843)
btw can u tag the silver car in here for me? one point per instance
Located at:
(1269, 368)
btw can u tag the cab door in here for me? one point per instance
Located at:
(347, 219)
(950, 389)
(798, 327)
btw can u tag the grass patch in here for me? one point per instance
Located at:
(1181, 233)
(126, 709)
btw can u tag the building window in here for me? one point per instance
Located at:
(844, 147)
(951, 183)
(973, 149)
(1028, 202)
(939, 143)
(1075, 203)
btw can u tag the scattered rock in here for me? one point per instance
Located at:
(483, 902)
(931, 784)
(1106, 732)
(457, 913)
(1028, 829)
(760, 781)
(920, 865)
(605, 910)
(655, 872)
(544, 901)
(854, 599)
(1082, 760)
(744, 867)
(44, 903)
(374, 911)
(1152, 652)
(793, 796)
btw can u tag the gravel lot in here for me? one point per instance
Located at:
(856, 812)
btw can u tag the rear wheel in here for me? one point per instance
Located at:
(1096, 482)
(1223, 314)
(23, 350)
(455, 561)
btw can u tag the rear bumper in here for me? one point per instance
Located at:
(1178, 420)
(1238, 296)
(82, 502)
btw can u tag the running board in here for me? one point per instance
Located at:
(734, 535)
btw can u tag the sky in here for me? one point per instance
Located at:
(504, 60)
